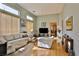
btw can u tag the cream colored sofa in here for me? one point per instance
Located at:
(15, 41)
(24, 51)
(12, 46)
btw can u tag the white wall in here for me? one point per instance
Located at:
(73, 10)
(47, 19)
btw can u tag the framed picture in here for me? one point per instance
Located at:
(43, 24)
(69, 24)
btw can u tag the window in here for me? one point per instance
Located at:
(8, 9)
(9, 24)
(29, 18)
(29, 26)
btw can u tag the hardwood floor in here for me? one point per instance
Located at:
(33, 50)
(56, 50)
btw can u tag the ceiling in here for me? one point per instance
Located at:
(43, 8)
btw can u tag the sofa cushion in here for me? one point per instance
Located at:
(2, 40)
(30, 34)
(17, 36)
(20, 35)
(24, 35)
(9, 37)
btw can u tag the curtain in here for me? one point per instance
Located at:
(29, 26)
(9, 24)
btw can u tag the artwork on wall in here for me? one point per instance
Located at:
(43, 24)
(22, 22)
(69, 24)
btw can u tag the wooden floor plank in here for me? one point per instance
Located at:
(34, 50)
(56, 50)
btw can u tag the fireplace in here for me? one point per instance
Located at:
(43, 31)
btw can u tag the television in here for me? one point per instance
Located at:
(43, 30)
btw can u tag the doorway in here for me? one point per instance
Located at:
(53, 29)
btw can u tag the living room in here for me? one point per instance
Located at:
(23, 25)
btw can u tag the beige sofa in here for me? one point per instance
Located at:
(12, 46)
(24, 51)
(14, 41)
(17, 41)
